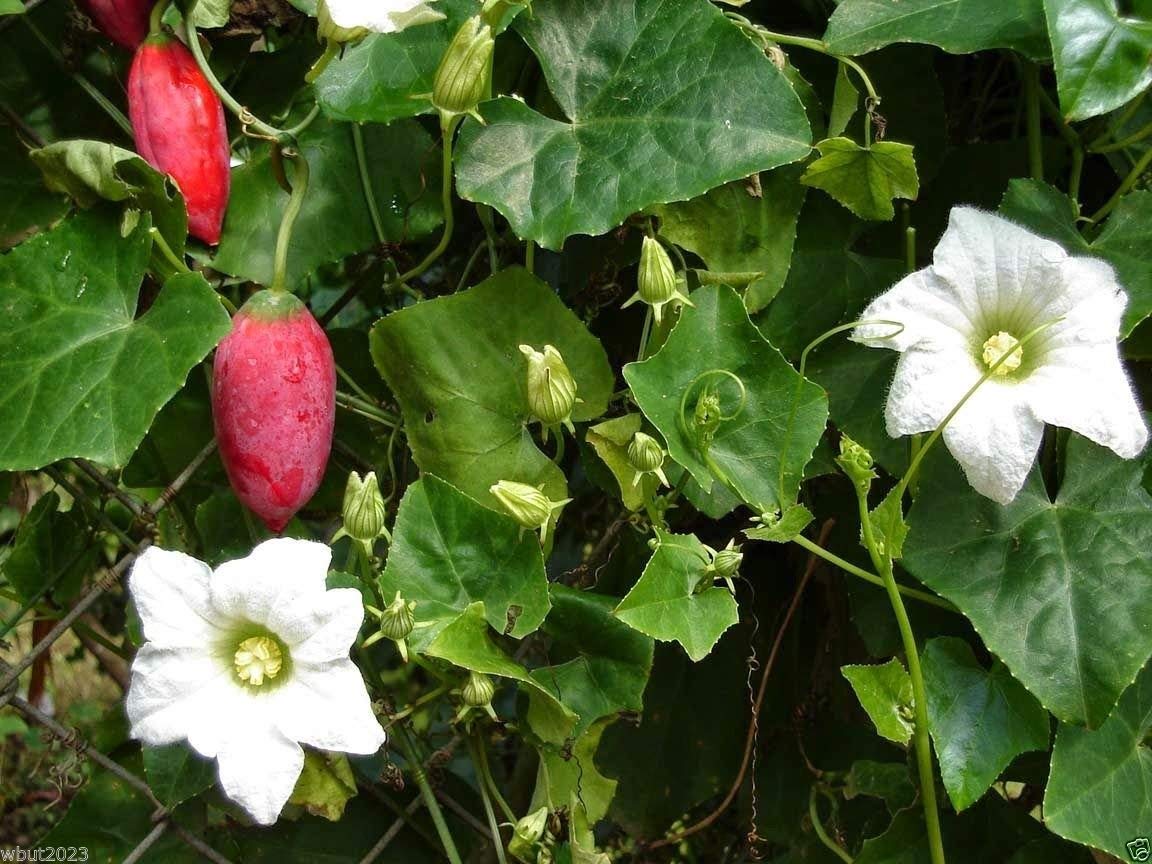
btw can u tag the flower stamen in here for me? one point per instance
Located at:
(258, 658)
(999, 345)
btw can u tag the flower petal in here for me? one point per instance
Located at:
(279, 571)
(1091, 305)
(995, 437)
(1084, 388)
(327, 706)
(927, 385)
(1003, 275)
(320, 630)
(382, 16)
(178, 694)
(171, 592)
(259, 768)
(927, 308)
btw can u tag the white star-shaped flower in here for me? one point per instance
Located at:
(247, 663)
(990, 284)
(382, 16)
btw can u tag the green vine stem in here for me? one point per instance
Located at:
(1075, 145)
(366, 182)
(408, 748)
(367, 409)
(288, 220)
(1031, 77)
(475, 749)
(1126, 186)
(448, 129)
(818, 827)
(167, 252)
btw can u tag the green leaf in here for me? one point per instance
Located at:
(980, 719)
(449, 551)
(83, 376)
(1123, 243)
(885, 692)
(93, 171)
(864, 179)
(637, 130)
(1100, 787)
(229, 531)
(665, 602)
(888, 523)
(456, 370)
(11, 7)
(52, 550)
(610, 661)
(791, 522)
(739, 227)
(387, 77)
(1102, 59)
(957, 26)
(467, 642)
(25, 204)
(1040, 579)
(888, 781)
(334, 221)
(176, 773)
(610, 440)
(782, 416)
(575, 777)
(212, 13)
(325, 786)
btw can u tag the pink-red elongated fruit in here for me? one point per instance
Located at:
(274, 404)
(179, 126)
(125, 22)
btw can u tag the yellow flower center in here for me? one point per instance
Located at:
(999, 345)
(258, 658)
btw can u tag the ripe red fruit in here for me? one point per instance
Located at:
(274, 404)
(179, 126)
(125, 22)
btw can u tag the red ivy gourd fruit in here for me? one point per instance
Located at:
(274, 405)
(125, 22)
(178, 122)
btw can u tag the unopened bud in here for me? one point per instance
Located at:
(526, 836)
(364, 510)
(478, 690)
(727, 562)
(656, 282)
(551, 388)
(528, 505)
(398, 618)
(647, 456)
(463, 78)
(856, 462)
(707, 417)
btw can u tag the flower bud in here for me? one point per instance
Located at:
(856, 462)
(656, 282)
(463, 77)
(364, 510)
(478, 690)
(551, 387)
(329, 31)
(707, 417)
(398, 619)
(528, 505)
(647, 456)
(526, 835)
(727, 562)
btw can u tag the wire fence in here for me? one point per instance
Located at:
(163, 817)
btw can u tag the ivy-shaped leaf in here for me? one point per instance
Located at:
(1056, 589)
(1102, 59)
(980, 719)
(1100, 787)
(668, 604)
(52, 550)
(864, 179)
(957, 26)
(83, 376)
(610, 440)
(779, 419)
(449, 551)
(885, 692)
(176, 773)
(457, 371)
(663, 100)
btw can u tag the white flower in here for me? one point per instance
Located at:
(247, 663)
(382, 16)
(990, 284)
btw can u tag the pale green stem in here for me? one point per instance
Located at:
(404, 741)
(821, 833)
(366, 182)
(447, 127)
(288, 222)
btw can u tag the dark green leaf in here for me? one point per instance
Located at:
(980, 719)
(668, 101)
(176, 773)
(888, 781)
(83, 376)
(1040, 579)
(52, 551)
(741, 227)
(1102, 59)
(25, 204)
(780, 420)
(885, 692)
(864, 179)
(668, 603)
(957, 26)
(845, 101)
(335, 220)
(455, 367)
(449, 551)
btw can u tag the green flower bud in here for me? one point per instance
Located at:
(329, 31)
(526, 836)
(478, 690)
(528, 505)
(398, 619)
(727, 562)
(856, 462)
(364, 510)
(551, 387)
(463, 78)
(647, 456)
(656, 282)
(707, 417)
